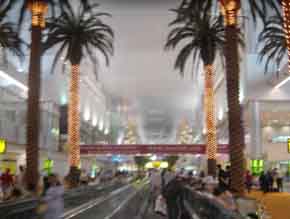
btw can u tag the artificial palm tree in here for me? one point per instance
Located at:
(230, 10)
(78, 34)
(38, 10)
(9, 38)
(273, 42)
(204, 39)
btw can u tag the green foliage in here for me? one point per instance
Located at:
(201, 35)
(171, 161)
(9, 38)
(79, 34)
(141, 161)
(272, 42)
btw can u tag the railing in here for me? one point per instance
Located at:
(201, 207)
(26, 208)
(76, 197)
(134, 206)
(22, 209)
(118, 204)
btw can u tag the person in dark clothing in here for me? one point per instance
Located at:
(269, 181)
(46, 185)
(263, 182)
(280, 183)
(172, 192)
(223, 177)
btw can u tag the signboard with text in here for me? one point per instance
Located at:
(149, 149)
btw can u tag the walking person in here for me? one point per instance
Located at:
(54, 199)
(20, 178)
(280, 182)
(263, 182)
(249, 181)
(172, 192)
(7, 183)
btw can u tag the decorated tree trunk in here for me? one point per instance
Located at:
(74, 125)
(210, 119)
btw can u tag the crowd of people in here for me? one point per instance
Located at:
(166, 187)
(271, 181)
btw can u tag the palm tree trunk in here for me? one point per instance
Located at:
(38, 9)
(286, 16)
(210, 119)
(74, 125)
(236, 129)
(33, 111)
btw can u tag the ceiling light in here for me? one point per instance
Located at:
(282, 83)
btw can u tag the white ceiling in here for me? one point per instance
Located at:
(142, 72)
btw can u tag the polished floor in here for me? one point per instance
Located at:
(277, 205)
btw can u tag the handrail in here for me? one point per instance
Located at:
(131, 189)
(200, 206)
(130, 208)
(26, 208)
(86, 206)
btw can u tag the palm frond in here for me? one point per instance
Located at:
(272, 42)
(200, 39)
(80, 33)
(9, 38)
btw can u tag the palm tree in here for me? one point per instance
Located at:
(204, 39)
(273, 42)
(9, 39)
(38, 10)
(78, 35)
(230, 9)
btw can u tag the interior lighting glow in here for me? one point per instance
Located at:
(153, 157)
(149, 165)
(95, 121)
(101, 125)
(241, 97)
(120, 139)
(221, 114)
(13, 81)
(87, 114)
(282, 83)
(164, 165)
(107, 130)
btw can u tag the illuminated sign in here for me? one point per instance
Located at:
(2, 146)
(280, 139)
(288, 145)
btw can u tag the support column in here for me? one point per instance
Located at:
(256, 149)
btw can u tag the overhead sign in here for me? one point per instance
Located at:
(3, 146)
(149, 149)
